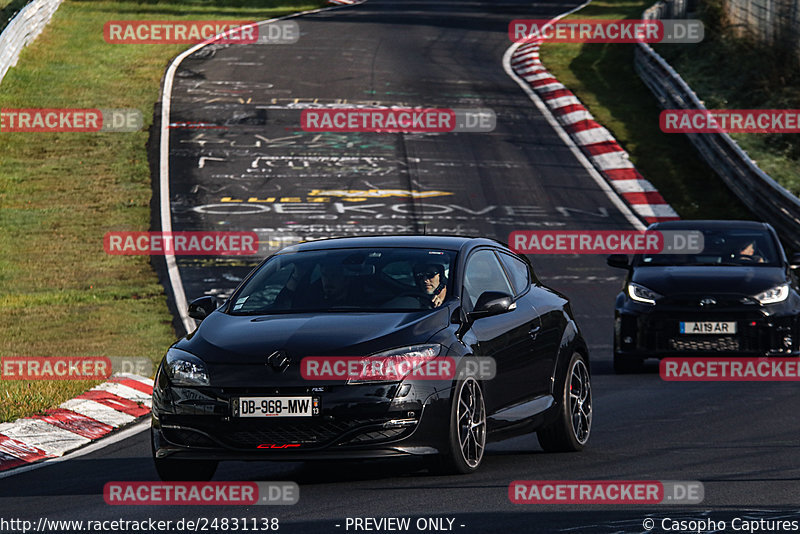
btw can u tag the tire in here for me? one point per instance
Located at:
(170, 470)
(467, 433)
(624, 365)
(570, 431)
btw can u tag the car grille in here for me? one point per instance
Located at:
(297, 432)
(692, 302)
(319, 435)
(658, 333)
(314, 431)
(715, 344)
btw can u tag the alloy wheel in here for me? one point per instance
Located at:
(580, 401)
(471, 422)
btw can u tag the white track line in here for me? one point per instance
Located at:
(633, 186)
(548, 115)
(612, 161)
(44, 436)
(143, 379)
(99, 412)
(121, 390)
(97, 445)
(166, 214)
(575, 116)
(560, 102)
(593, 136)
(57, 441)
(67, 429)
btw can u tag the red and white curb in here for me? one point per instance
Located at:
(76, 422)
(596, 142)
(343, 2)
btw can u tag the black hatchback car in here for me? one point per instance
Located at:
(739, 297)
(235, 388)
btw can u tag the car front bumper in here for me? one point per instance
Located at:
(655, 333)
(355, 421)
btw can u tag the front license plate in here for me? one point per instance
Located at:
(275, 407)
(708, 327)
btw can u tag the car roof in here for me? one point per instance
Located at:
(441, 242)
(709, 225)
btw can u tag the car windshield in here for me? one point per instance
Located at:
(376, 279)
(721, 247)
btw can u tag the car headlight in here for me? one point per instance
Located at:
(395, 364)
(184, 369)
(771, 296)
(641, 294)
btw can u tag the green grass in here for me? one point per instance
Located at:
(603, 77)
(60, 294)
(729, 72)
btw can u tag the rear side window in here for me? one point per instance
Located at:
(518, 271)
(483, 273)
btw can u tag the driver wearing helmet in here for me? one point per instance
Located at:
(431, 280)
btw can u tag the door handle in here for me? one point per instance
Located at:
(533, 332)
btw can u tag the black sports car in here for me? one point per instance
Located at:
(235, 389)
(737, 297)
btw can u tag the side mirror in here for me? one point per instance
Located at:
(794, 263)
(619, 261)
(492, 303)
(201, 308)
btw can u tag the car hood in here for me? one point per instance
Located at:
(235, 348)
(708, 280)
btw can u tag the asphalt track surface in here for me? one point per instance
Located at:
(740, 440)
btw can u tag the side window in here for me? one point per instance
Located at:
(483, 273)
(518, 271)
